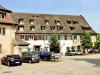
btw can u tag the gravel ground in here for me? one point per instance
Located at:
(67, 65)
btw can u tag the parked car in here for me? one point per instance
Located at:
(93, 51)
(73, 53)
(50, 55)
(32, 57)
(11, 60)
(79, 52)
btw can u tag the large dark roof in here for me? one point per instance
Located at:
(39, 21)
(4, 9)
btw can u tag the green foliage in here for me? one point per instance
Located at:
(98, 36)
(54, 43)
(72, 47)
(97, 45)
(86, 38)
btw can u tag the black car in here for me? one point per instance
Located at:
(32, 57)
(11, 60)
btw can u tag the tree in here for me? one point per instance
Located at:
(86, 39)
(98, 36)
(97, 45)
(54, 43)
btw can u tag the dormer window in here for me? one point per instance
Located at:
(31, 21)
(72, 28)
(59, 27)
(21, 21)
(32, 28)
(21, 28)
(52, 27)
(46, 22)
(3, 15)
(43, 27)
(57, 22)
(75, 22)
(69, 22)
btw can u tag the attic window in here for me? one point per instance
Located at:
(46, 22)
(20, 28)
(72, 28)
(21, 21)
(43, 27)
(31, 21)
(32, 28)
(75, 22)
(52, 27)
(3, 15)
(86, 28)
(57, 22)
(59, 27)
(69, 22)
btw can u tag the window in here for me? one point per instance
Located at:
(59, 27)
(35, 37)
(39, 37)
(75, 37)
(0, 48)
(69, 37)
(26, 38)
(21, 21)
(43, 27)
(65, 37)
(32, 28)
(0, 30)
(31, 21)
(31, 37)
(48, 37)
(69, 22)
(86, 28)
(78, 37)
(3, 31)
(72, 28)
(20, 28)
(22, 37)
(3, 15)
(57, 22)
(75, 22)
(52, 27)
(46, 22)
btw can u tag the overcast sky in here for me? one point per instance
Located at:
(90, 9)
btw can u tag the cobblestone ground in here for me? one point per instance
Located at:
(67, 65)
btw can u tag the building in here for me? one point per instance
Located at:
(36, 29)
(8, 44)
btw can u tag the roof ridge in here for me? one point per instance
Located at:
(45, 14)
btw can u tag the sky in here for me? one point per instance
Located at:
(90, 9)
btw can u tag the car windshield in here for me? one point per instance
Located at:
(78, 50)
(73, 51)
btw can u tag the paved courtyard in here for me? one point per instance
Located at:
(67, 65)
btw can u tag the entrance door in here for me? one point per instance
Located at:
(37, 48)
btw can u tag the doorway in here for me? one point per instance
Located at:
(37, 48)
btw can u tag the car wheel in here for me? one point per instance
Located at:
(38, 61)
(30, 61)
(20, 64)
(8, 63)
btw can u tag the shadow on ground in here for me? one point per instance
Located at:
(96, 62)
